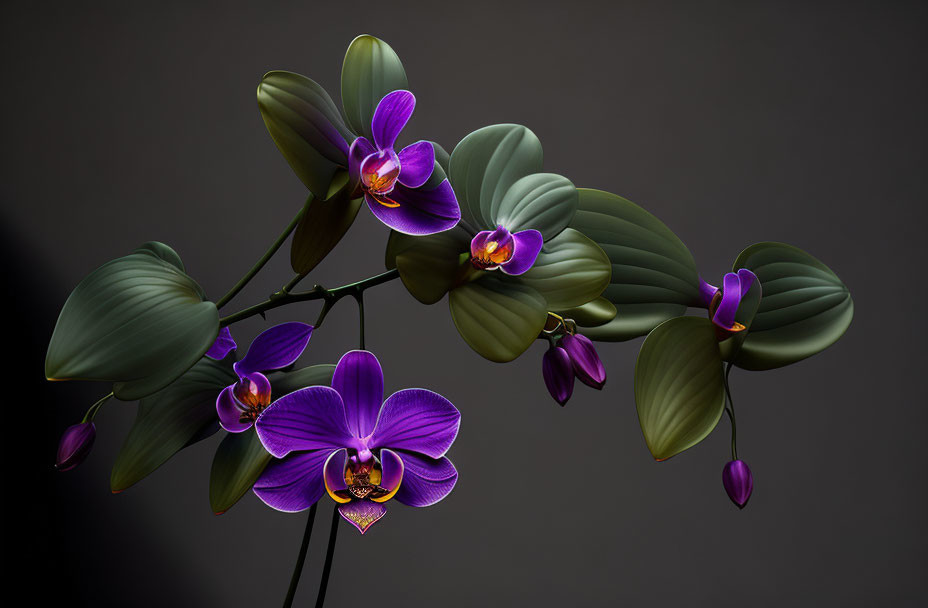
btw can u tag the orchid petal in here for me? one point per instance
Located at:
(731, 297)
(275, 348)
(418, 212)
(391, 116)
(358, 379)
(294, 483)
(425, 480)
(308, 419)
(706, 292)
(418, 420)
(528, 246)
(587, 364)
(417, 161)
(223, 344)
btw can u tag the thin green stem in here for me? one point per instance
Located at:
(92, 411)
(301, 558)
(293, 282)
(331, 296)
(730, 409)
(329, 553)
(360, 298)
(264, 259)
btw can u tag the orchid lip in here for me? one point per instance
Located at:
(380, 171)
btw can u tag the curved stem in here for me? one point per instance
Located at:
(92, 411)
(264, 259)
(317, 293)
(298, 567)
(329, 553)
(731, 415)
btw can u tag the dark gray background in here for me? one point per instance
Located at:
(733, 122)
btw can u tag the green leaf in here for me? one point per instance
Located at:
(805, 307)
(485, 165)
(163, 252)
(305, 124)
(238, 462)
(679, 388)
(442, 157)
(570, 270)
(283, 383)
(432, 264)
(321, 228)
(543, 201)
(181, 414)
(137, 321)
(592, 314)
(371, 70)
(654, 275)
(498, 317)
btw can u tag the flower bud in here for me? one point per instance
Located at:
(75, 444)
(738, 482)
(558, 373)
(585, 360)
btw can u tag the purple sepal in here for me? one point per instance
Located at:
(417, 212)
(425, 480)
(275, 348)
(391, 116)
(738, 482)
(75, 444)
(706, 293)
(558, 373)
(358, 378)
(308, 419)
(362, 514)
(747, 278)
(724, 315)
(416, 164)
(223, 344)
(294, 483)
(418, 420)
(587, 365)
(528, 244)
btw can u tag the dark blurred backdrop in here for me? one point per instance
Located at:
(734, 122)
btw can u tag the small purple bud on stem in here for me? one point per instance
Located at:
(75, 444)
(558, 373)
(738, 482)
(586, 362)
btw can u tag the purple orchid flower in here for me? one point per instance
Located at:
(574, 356)
(240, 404)
(512, 253)
(348, 442)
(723, 303)
(222, 346)
(738, 482)
(393, 183)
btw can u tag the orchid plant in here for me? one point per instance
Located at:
(521, 254)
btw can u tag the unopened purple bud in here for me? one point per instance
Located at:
(585, 360)
(738, 482)
(558, 373)
(75, 444)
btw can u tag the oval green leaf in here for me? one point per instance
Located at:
(543, 201)
(177, 416)
(570, 271)
(321, 228)
(592, 314)
(432, 264)
(679, 387)
(136, 321)
(654, 275)
(804, 309)
(305, 124)
(371, 70)
(239, 460)
(486, 163)
(499, 318)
